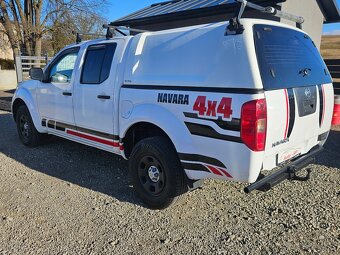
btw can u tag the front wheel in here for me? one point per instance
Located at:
(28, 134)
(156, 172)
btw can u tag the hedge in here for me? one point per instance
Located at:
(6, 64)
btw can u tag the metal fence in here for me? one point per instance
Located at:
(334, 68)
(25, 63)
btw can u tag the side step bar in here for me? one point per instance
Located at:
(287, 172)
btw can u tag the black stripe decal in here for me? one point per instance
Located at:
(63, 126)
(207, 131)
(200, 158)
(51, 124)
(97, 133)
(195, 89)
(195, 167)
(321, 104)
(323, 136)
(291, 99)
(233, 125)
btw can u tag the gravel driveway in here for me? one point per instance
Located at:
(65, 198)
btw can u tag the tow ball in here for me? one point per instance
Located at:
(265, 183)
(293, 177)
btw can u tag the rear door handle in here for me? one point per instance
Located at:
(103, 97)
(67, 94)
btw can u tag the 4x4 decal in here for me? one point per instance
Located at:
(213, 109)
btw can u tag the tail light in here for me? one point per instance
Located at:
(254, 124)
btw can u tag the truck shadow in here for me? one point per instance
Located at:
(71, 162)
(330, 157)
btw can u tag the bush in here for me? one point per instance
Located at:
(6, 64)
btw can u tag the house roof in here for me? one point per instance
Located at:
(330, 10)
(182, 9)
(186, 9)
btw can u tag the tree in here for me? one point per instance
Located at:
(26, 22)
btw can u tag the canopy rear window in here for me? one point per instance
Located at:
(288, 58)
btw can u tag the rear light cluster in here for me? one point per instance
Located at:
(254, 124)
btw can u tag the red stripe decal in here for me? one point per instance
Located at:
(287, 110)
(225, 172)
(324, 104)
(214, 170)
(92, 138)
(121, 147)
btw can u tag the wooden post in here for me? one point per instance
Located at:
(18, 67)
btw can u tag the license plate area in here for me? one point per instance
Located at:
(288, 155)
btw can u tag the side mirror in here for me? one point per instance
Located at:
(36, 74)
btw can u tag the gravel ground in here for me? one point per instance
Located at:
(66, 198)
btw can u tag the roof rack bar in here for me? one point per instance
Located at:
(273, 11)
(125, 28)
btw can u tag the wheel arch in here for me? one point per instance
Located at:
(24, 97)
(155, 121)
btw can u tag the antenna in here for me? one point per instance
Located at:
(236, 26)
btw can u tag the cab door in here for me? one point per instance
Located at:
(94, 96)
(55, 93)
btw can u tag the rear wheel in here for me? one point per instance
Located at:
(156, 172)
(28, 134)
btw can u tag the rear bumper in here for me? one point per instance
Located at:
(287, 172)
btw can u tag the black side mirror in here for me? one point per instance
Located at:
(36, 74)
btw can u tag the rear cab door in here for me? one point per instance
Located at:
(298, 91)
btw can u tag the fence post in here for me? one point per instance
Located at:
(18, 67)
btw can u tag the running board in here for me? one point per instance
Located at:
(287, 172)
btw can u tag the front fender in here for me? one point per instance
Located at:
(27, 94)
(173, 126)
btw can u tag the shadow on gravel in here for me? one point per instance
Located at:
(71, 162)
(331, 155)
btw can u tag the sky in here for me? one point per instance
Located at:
(120, 8)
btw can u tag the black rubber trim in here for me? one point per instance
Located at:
(291, 100)
(233, 125)
(323, 136)
(195, 89)
(194, 167)
(321, 104)
(207, 131)
(200, 158)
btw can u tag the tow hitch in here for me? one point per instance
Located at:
(287, 172)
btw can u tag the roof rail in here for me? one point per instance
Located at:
(237, 28)
(119, 29)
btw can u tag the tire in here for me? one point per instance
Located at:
(156, 173)
(27, 132)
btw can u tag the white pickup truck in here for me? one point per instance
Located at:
(187, 104)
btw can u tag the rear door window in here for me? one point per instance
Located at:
(288, 58)
(97, 64)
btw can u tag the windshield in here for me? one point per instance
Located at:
(288, 58)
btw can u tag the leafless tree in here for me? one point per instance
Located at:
(27, 21)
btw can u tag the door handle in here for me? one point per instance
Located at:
(67, 94)
(103, 97)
